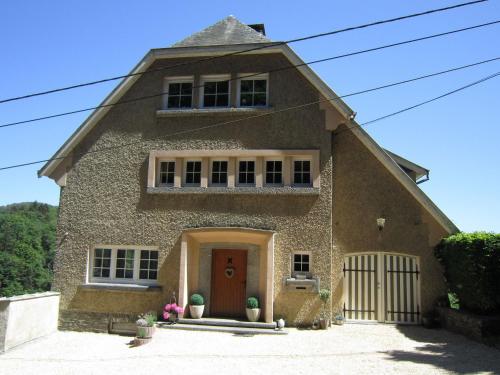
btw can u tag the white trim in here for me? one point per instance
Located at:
(112, 272)
(214, 78)
(180, 79)
(210, 167)
(251, 77)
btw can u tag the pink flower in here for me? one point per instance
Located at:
(179, 310)
(167, 307)
(173, 306)
(166, 315)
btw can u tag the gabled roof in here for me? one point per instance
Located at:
(227, 31)
(239, 38)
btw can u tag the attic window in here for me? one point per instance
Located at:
(178, 93)
(253, 91)
(215, 91)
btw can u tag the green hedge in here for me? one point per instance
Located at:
(471, 264)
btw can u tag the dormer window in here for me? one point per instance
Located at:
(178, 93)
(302, 172)
(215, 91)
(253, 91)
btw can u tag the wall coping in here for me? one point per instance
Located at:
(24, 297)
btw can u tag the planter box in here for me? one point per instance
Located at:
(482, 328)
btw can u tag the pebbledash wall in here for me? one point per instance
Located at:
(105, 199)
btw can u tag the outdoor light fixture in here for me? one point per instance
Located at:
(380, 223)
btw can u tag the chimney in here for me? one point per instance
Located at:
(259, 27)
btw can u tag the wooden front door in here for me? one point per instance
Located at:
(229, 280)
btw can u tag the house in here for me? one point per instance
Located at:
(230, 186)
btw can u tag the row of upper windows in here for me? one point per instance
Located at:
(246, 171)
(215, 92)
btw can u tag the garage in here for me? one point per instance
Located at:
(381, 287)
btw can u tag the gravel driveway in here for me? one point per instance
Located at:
(349, 349)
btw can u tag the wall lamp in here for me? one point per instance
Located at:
(380, 223)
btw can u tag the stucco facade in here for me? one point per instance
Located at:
(105, 199)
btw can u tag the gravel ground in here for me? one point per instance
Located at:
(349, 349)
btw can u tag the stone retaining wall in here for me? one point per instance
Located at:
(76, 320)
(485, 329)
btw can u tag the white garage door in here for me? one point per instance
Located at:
(382, 287)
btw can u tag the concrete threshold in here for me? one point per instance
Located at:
(221, 328)
(216, 322)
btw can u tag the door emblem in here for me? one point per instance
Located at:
(229, 271)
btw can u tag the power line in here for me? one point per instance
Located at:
(255, 74)
(289, 109)
(271, 44)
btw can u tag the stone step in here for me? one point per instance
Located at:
(228, 329)
(226, 323)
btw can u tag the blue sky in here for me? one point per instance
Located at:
(50, 44)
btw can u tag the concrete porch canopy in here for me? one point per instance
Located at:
(193, 240)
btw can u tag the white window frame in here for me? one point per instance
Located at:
(112, 279)
(211, 168)
(158, 171)
(264, 171)
(184, 174)
(311, 174)
(292, 265)
(215, 78)
(250, 76)
(237, 177)
(167, 81)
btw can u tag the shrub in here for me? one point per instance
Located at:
(197, 300)
(471, 264)
(324, 295)
(252, 303)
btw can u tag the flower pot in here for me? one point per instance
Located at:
(196, 311)
(339, 322)
(138, 341)
(253, 315)
(280, 324)
(145, 332)
(324, 323)
(172, 318)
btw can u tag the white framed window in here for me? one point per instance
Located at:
(166, 172)
(253, 91)
(301, 263)
(273, 172)
(178, 93)
(215, 91)
(246, 172)
(192, 172)
(123, 264)
(218, 172)
(302, 172)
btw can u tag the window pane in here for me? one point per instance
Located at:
(152, 275)
(246, 100)
(209, 100)
(170, 178)
(97, 262)
(260, 85)
(250, 179)
(174, 89)
(153, 254)
(105, 272)
(107, 253)
(106, 263)
(297, 178)
(97, 272)
(187, 88)
(246, 86)
(250, 166)
(296, 267)
(296, 258)
(129, 274)
(171, 166)
(189, 166)
(173, 102)
(197, 166)
(223, 166)
(269, 178)
(305, 267)
(120, 263)
(210, 88)
(189, 178)
(144, 264)
(222, 100)
(120, 273)
(185, 102)
(306, 166)
(277, 166)
(216, 166)
(98, 253)
(196, 178)
(153, 265)
(215, 178)
(223, 178)
(259, 99)
(242, 178)
(223, 87)
(143, 274)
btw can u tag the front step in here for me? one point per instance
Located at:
(226, 323)
(221, 328)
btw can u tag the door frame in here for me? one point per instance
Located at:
(212, 276)
(381, 280)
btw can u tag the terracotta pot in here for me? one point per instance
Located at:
(140, 341)
(196, 311)
(253, 315)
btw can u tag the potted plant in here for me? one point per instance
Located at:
(339, 319)
(253, 310)
(196, 306)
(145, 328)
(324, 296)
(171, 312)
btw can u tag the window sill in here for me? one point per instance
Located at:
(282, 190)
(121, 287)
(211, 111)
